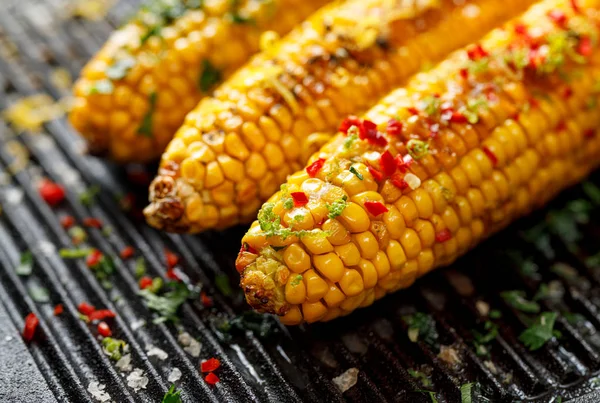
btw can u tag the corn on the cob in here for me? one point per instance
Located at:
(463, 150)
(236, 147)
(135, 93)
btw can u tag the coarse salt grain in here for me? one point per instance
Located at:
(175, 375)
(124, 364)
(156, 352)
(96, 389)
(346, 380)
(137, 380)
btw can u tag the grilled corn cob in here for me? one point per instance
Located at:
(134, 95)
(236, 147)
(488, 135)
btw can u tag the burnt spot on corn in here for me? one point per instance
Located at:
(261, 290)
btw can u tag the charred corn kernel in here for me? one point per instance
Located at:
(330, 266)
(349, 254)
(296, 258)
(316, 287)
(367, 244)
(490, 171)
(156, 68)
(275, 103)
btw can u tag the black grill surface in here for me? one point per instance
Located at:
(263, 361)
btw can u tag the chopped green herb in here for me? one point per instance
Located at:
(77, 234)
(337, 207)
(270, 225)
(550, 291)
(592, 191)
(481, 340)
(101, 87)
(540, 332)
(288, 203)
(260, 325)
(421, 325)
(432, 395)
(236, 17)
(351, 139)
(107, 230)
(297, 280)
(473, 108)
(565, 272)
(38, 293)
(87, 198)
(74, 253)
(140, 267)
(25, 266)
(430, 105)
(222, 284)
(298, 217)
(478, 66)
(120, 68)
(156, 286)
(166, 305)
(421, 377)
(209, 76)
(146, 128)
(516, 299)
(417, 148)
(356, 173)
(573, 318)
(114, 348)
(154, 30)
(466, 393)
(495, 314)
(172, 396)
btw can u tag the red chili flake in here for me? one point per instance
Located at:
(172, 274)
(92, 222)
(399, 182)
(210, 365)
(413, 110)
(58, 309)
(575, 6)
(401, 164)
(315, 167)
(372, 135)
(67, 221)
(515, 116)
(145, 282)
(247, 248)
(589, 133)
(584, 48)
(127, 252)
(349, 122)
(558, 17)
(490, 154)
(51, 192)
(567, 92)
(206, 300)
(211, 379)
(31, 324)
(101, 314)
(457, 117)
(378, 176)
(394, 128)
(443, 236)
(104, 330)
(464, 73)
(388, 163)
(86, 308)
(476, 52)
(94, 258)
(520, 29)
(562, 125)
(375, 208)
(171, 258)
(300, 198)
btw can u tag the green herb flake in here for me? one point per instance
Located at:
(168, 304)
(288, 204)
(430, 105)
(421, 326)
(222, 284)
(210, 76)
(565, 272)
(120, 68)
(140, 267)
(74, 253)
(88, 197)
(114, 348)
(432, 395)
(77, 234)
(297, 280)
(356, 173)
(495, 314)
(540, 332)
(351, 139)
(172, 396)
(417, 148)
(466, 393)
(421, 377)
(101, 87)
(592, 191)
(25, 266)
(481, 340)
(337, 207)
(38, 293)
(146, 128)
(516, 299)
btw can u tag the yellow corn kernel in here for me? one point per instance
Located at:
(423, 202)
(367, 244)
(316, 287)
(394, 222)
(330, 266)
(351, 283)
(223, 194)
(355, 218)
(331, 314)
(214, 175)
(313, 311)
(382, 264)
(299, 218)
(368, 272)
(193, 171)
(352, 303)
(426, 233)
(396, 255)
(408, 209)
(317, 245)
(292, 317)
(349, 254)
(295, 290)
(339, 234)
(411, 243)
(232, 168)
(425, 261)
(334, 296)
(296, 259)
